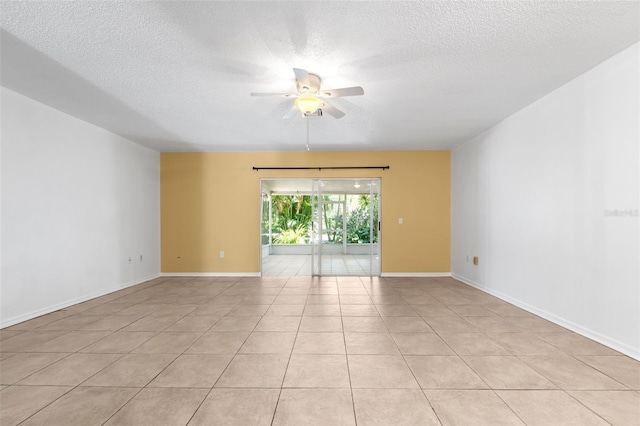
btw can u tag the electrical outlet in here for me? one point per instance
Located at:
(221, 253)
(129, 259)
(140, 258)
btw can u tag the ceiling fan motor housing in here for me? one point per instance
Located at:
(314, 85)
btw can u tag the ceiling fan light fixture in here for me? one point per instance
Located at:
(308, 104)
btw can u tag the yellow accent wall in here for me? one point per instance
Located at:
(211, 202)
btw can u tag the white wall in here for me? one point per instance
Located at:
(77, 202)
(529, 198)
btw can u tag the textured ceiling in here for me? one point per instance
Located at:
(176, 76)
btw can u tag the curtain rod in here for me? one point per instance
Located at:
(320, 168)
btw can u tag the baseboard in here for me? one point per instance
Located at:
(593, 335)
(34, 314)
(414, 274)
(210, 274)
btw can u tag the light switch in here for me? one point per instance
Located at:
(400, 221)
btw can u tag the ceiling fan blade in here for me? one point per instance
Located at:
(302, 78)
(331, 110)
(284, 95)
(291, 113)
(345, 91)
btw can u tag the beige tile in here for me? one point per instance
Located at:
(321, 324)
(7, 355)
(105, 309)
(133, 370)
(473, 344)
(225, 407)
(421, 344)
(247, 311)
(574, 344)
(219, 342)
(319, 343)
(22, 365)
(254, 371)
(406, 324)
(71, 371)
(621, 408)
(569, 373)
(467, 407)
(290, 299)
(621, 368)
(433, 310)
(355, 299)
(192, 371)
(492, 324)
(269, 323)
(505, 309)
(19, 402)
(236, 324)
(73, 322)
(153, 323)
(318, 407)
(110, 323)
(390, 299)
(323, 299)
(398, 407)
(120, 342)
(380, 371)
(24, 341)
(317, 371)
(471, 311)
(536, 324)
(259, 298)
(523, 344)
(370, 343)
(285, 311)
(82, 406)
(322, 291)
(396, 311)
(194, 323)
(159, 407)
(449, 324)
(168, 342)
(322, 310)
(359, 310)
(6, 334)
(507, 372)
(212, 310)
(34, 323)
(139, 309)
(364, 324)
(444, 372)
(353, 291)
(547, 407)
(174, 309)
(269, 342)
(70, 342)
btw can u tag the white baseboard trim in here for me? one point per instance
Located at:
(414, 274)
(593, 335)
(210, 274)
(34, 314)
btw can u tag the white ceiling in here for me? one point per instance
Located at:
(176, 76)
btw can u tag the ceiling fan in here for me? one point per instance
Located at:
(310, 98)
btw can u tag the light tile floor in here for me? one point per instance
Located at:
(305, 351)
(332, 264)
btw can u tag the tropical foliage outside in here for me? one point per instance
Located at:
(291, 219)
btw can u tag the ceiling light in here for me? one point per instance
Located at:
(356, 185)
(308, 104)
